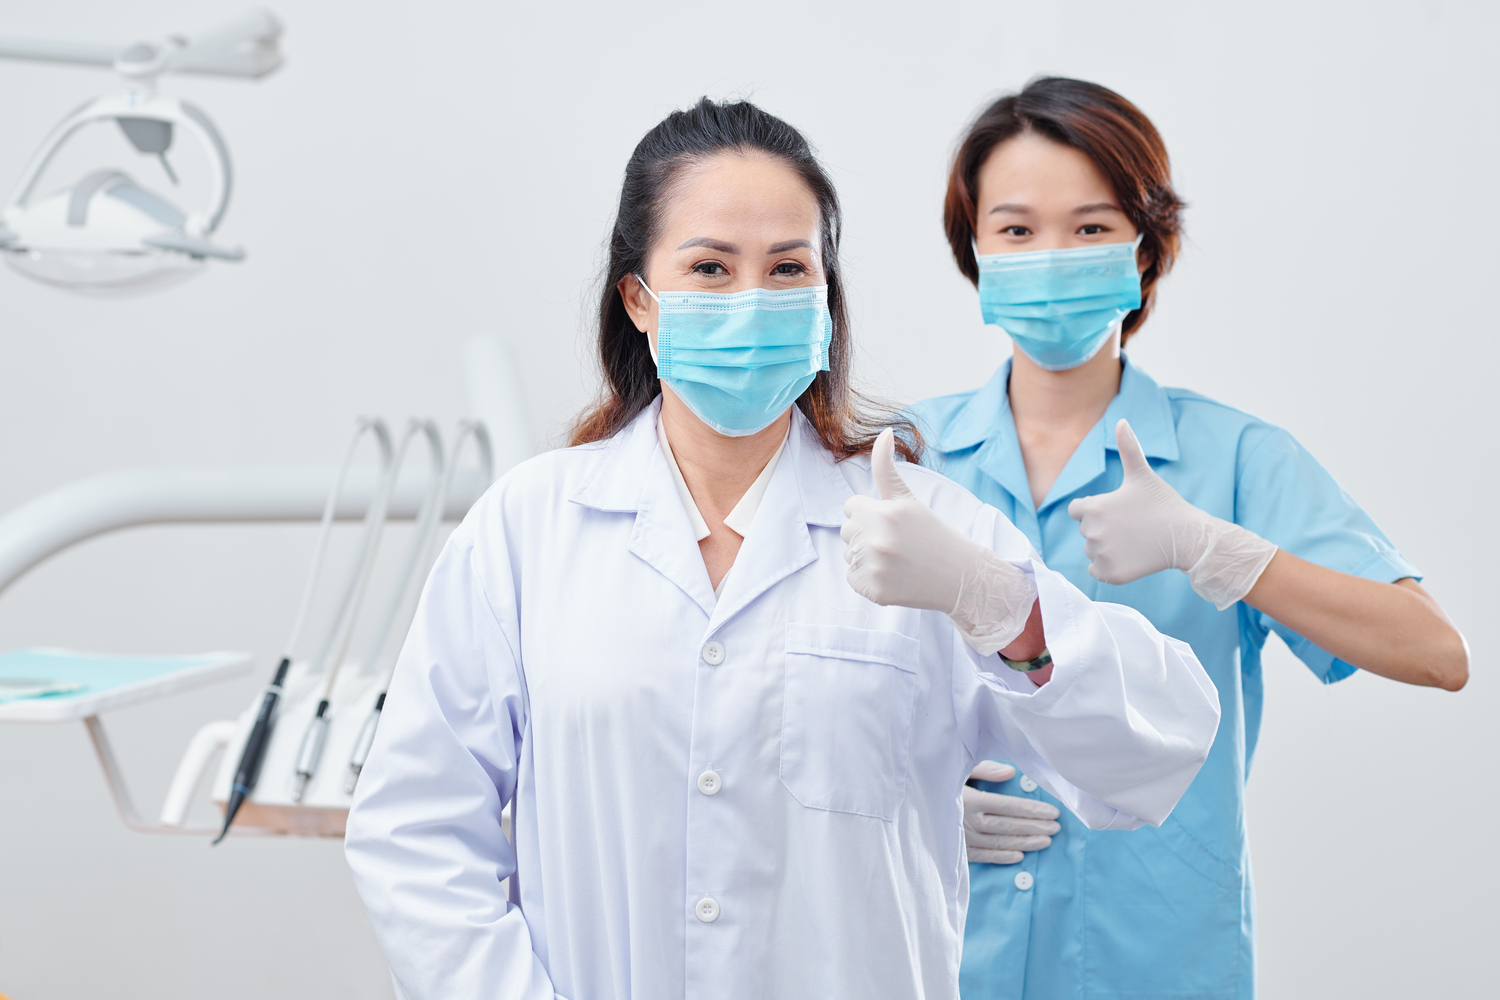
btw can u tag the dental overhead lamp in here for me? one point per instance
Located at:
(109, 234)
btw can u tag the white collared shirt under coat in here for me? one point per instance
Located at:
(569, 653)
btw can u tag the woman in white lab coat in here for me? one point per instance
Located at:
(731, 669)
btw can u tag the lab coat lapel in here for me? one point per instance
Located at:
(632, 475)
(806, 488)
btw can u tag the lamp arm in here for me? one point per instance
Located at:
(248, 46)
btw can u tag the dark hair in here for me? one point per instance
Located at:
(840, 415)
(1110, 131)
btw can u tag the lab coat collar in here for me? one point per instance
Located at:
(615, 483)
(806, 488)
(986, 420)
(632, 476)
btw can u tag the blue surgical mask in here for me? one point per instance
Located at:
(1060, 306)
(738, 360)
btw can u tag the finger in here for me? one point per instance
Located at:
(987, 824)
(883, 466)
(1014, 806)
(1082, 508)
(1131, 455)
(986, 842)
(996, 857)
(992, 770)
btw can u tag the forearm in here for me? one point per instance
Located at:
(1151, 711)
(1395, 630)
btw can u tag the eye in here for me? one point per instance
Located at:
(1091, 229)
(1016, 231)
(710, 267)
(789, 267)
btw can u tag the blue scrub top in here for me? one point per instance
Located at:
(1153, 912)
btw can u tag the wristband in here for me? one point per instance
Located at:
(1042, 659)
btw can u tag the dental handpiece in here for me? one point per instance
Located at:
(362, 745)
(311, 750)
(255, 748)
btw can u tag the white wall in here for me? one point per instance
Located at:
(421, 172)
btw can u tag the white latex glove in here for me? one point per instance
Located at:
(999, 829)
(900, 552)
(1145, 527)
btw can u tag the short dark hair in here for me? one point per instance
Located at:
(846, 425)
(1112, 132)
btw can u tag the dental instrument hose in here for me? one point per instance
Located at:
(428, 516)
(404, 602)
(310, 752)
(248, 771)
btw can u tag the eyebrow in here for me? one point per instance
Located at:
(722, 247)
(1098, 206)
(711, 243)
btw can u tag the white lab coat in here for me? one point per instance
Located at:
(569, 654)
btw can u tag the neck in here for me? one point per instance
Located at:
(1067, 398)
(718, 470)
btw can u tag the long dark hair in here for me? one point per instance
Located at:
(1112, 132)
(844, 420)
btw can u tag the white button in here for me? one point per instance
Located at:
(1027, 785)
(708, 910)
(1023, 882)
(713, 654)
(709, 783)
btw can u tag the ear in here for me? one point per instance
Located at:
(637, 303)
(1144, 258)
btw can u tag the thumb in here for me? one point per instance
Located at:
(1131, 455)
(883, 468)
(992, 770)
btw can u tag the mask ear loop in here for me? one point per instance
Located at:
(649, 345)
(1135, 251)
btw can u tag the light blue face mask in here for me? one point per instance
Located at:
(1060, 306)
(738, 360)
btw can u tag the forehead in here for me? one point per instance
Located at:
(1032, 167)
(740, 192)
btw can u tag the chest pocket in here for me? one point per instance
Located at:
(847, 717)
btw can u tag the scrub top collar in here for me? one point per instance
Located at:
(986, 420)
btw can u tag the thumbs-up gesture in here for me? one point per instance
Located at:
(900, 552)
(1141, 528)
(1145, 526)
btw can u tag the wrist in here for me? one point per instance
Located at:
(1230, 565)
(996, 601)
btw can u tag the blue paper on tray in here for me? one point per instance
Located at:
(50, 673)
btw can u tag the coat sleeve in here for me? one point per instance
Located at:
(1127, 719)
(424, 838)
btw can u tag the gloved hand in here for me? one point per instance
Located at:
(1145, 527)
(998, 829)
(900, 552)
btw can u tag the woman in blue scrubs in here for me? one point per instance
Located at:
(1217, 526)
